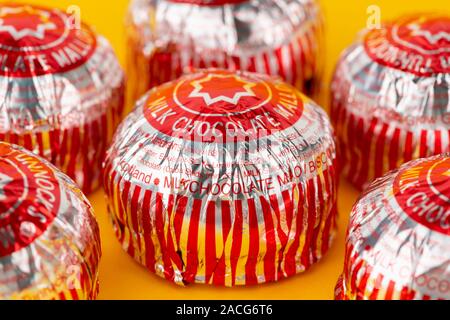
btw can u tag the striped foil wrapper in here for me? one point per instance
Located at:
(399, 236)
(390, 97)
(49, 238)
(283, 38)
(224, 178)
(61, 89)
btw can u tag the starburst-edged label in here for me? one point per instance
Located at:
(417, 44)
(36, 41)
(423, 192)
(216, 104)
(29, 199)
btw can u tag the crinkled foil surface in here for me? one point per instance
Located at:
(281, 38)
(61, 89)
(224, 178)
(390, 96)
(50, 245)
(399, 236)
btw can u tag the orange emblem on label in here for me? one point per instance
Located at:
(35, 41)
(213, 104)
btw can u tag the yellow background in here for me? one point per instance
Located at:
(122, 278)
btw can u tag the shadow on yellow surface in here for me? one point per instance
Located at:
(122, 278)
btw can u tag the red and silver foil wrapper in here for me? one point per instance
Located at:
(283, 38)
(391, 97)
(224, 178)
(398, 241)
(49, 238)
(61, 89)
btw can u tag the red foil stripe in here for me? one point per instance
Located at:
(83, 161)
(224, 238)
(375, 148)
(55, 248)
(216, 265)
(65, 103)
(386, 109)
(398, 227)
(296, 60)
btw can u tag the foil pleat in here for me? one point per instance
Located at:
(50, 242)
(399, 234)
(192, 206)
(283, 38)
(390, 101)
(61, 92)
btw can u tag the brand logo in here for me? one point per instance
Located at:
(29, 199)
(21, 22)
(217, 104)
(233, 88)
(37, 41)
(429, 36)
(417, 44)
(423, 192)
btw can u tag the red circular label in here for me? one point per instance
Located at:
(217, 104)
(418, 44)
(209, 2)
(35, 41)
(29, 199)
(423, 192)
